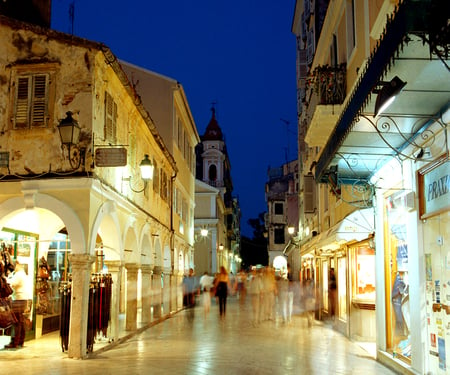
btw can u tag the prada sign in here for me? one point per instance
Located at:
(434, 185)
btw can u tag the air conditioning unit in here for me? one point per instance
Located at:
(405, 200)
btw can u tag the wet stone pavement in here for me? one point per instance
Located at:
(199, 345)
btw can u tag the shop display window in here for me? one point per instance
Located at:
(325, 285)
(52, 271)
(342, 289)
(22, 246)
(397, 275)
(363, 273)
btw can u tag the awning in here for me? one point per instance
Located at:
(414, 47)
(356, 227)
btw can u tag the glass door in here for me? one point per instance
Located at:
(437, 266)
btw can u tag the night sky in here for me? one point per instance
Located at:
(239, 54)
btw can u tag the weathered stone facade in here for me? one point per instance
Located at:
(107, 212)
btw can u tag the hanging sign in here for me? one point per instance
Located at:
(435, 189)
(111, 157)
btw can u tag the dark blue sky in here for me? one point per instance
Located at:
(237, 53)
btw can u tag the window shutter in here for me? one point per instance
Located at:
(110, 118)
(308, 194)
(22, 102)
(39, 100)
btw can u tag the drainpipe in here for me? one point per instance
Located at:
(172, 231)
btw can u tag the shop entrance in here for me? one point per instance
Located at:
(34, 240)
(437, 273)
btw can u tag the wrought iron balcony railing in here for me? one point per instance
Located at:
(328, 84)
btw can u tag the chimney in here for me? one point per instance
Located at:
(37, 12)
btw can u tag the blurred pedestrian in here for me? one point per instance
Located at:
(254, 287)
(268, 292)
(310, 300)
(332, 293)
(206, 284)
(190, 289)
(283, 298)
(241, 279)
(222, 287)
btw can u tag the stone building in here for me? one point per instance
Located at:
(217, 212)
(83, 205)
(281, 220)
(374, 85)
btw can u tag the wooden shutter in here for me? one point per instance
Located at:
(23, 94)
(308, 194)
(110, 119)
(39, 100)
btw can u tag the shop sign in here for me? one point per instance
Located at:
(111, 157)
(434, 189)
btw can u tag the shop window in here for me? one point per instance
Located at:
(364, 273)
(342, 288)
(20, 246)
(397, 276)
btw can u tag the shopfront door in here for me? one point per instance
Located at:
(436, 243)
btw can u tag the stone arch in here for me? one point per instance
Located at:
(167, 258)
(146, 252)
(67, 215)
(158, 253)
(106, 225)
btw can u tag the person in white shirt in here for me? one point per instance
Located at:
(18, 282)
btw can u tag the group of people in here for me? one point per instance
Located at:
(16, 277)
(270, 296)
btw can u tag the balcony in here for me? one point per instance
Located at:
(326, 89)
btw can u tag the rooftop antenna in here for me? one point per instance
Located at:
(71, 15)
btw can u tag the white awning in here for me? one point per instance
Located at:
(356, 227)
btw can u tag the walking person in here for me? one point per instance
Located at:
(283, 298)
(332, 294)
(206, 284)
(240, 286)
(189, 291)
(254, 288)
(310, 301)
(222, 286)
(18, 282)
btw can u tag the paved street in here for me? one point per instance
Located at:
(202, 346)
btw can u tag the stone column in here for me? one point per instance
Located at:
(81, 273)
(173, 292)
(179, 289)
(131, 314)
(115, 269)
(166, 293)
(146, 272)
(156, 287)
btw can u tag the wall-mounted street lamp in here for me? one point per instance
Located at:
(69, 132)
(220, 247)
(147, 169)
(291, 230)
(203, 234)
(387, 94)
